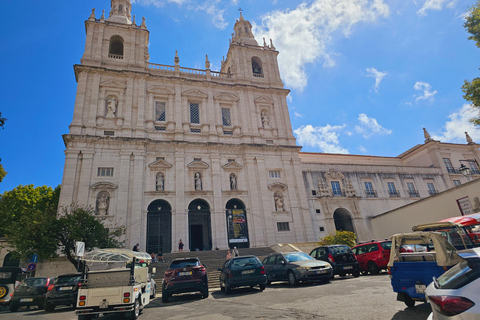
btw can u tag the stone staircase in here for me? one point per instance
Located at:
(212, 260)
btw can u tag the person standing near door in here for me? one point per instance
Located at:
(180, 246)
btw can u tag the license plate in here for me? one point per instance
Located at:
(186, 273)
(248, 271)
(320, 271)
(103, 305)
(26, 300)
(420, 288)
(65, 288)
(347, 267)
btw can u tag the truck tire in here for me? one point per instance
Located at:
(136, 310)
(408, 301)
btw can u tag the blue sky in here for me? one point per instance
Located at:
(365, 76)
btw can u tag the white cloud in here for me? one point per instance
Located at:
(426, 90)
(370, 126)
(303, 35)
(158, 3)
(455, 128)
(298, 115)
(362, 149)
(378, 75)
(435, 5)
(324, 138)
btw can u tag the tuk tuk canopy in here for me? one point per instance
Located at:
(115, 255)
(446, 254)
(467, 220)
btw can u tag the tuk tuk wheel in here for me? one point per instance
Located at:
(408, 301)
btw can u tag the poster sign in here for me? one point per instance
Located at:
(79, 248)
(465, 205)
(237, 225)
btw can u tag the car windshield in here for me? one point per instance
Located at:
(188, 263)
(459, 275)
(297, 256)
(386, 245)
(34, 282)
(243, 262)
(336, 251)
(68, 280)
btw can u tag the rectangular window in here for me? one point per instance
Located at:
(194, 113)
(448, 165)
(283, 226)
(226, 121)
(392, 191)
(336, 189)
(314, 192)
(274, 174)
(431, 189)
(160, 128)
(369, 190)
(195, 130)
(228, 132)
(457, 182)
(317, 210)
(322, 228)
(411, 190)
(473, 167)
(105, 172)
(109, 133)
(160, 111)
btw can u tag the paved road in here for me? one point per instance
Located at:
(366, 297)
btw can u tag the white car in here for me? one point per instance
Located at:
(455, 294)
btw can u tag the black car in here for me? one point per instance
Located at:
(295, 267)
(341, 258)
(242, 271)
(185, 275)
(63, 292)
(30, 292)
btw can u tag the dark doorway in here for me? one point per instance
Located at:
(10, 261)
(199, 225)
(159, 227)
(237, 226)
(343, 220)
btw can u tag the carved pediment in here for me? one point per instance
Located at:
(159, 164)
(278, 185)
(334, 175)
(113, 84)
(263, 99)
(194, 93)
(103, 185)
(198, 165)
(232, 165)
(161, 90)
(224, 96)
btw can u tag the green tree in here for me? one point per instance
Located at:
(3, 173)
(339, 237)
(29, 220)
(2, 120)
(471, 89)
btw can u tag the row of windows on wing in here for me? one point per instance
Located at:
(370, 192)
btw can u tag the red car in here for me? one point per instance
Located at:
(185, 275)
(373, 256)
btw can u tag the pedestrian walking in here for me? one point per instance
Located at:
(235, 252)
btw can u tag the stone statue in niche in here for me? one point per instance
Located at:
(103, 202)
(265, 122)
(160, 182)
(233, 182)
(198, 181)
(279, 202)
(111, 107)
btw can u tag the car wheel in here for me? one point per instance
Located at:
(325, 280)
(153, 292)
(262, 287)
(14, 307)
(136, 311)
(205, 293)
(292, 279)
(165, 297)
(228, 289)
(49, 307)
(3, 291)
(356, 274)
(41, 305)
(222, 288)
(373, 268)
(408, 301)
(342, 274)
(364, 273)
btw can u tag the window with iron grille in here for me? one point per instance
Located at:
(336, 188)
(392, 190)
(105, 172)
(274, 174)
(194, 113)
(283, 226)
(226, 121)
(448, 165)
(228, 132)
(411, 190)
(473, 167)
(431, 189)
(369, 189)
(160, 110)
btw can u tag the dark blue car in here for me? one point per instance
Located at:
(242, 271)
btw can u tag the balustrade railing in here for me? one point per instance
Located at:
(115, 56)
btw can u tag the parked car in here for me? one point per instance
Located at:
(341, 258)
(454, 294)
(63, 291)
(10, 277)
(185, 275)
(373, 256)
(294, 267)
(242, 271)
(30, 292)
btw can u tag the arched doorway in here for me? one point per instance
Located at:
(159, 227)
(199, 225)
(237, 226)
(343, 220)
(11, 261)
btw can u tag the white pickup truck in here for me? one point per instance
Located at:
(114, 281)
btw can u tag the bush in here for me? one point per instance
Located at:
(339, 237)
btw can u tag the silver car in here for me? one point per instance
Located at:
(455, 294)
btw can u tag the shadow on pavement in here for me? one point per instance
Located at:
(421, 311)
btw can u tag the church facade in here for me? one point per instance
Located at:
(210, 158)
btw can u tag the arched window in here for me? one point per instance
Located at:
(257, 67)
(116, 47)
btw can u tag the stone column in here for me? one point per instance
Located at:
(76, 127)
(180, 219)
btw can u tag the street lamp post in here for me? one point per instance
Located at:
(464, 170)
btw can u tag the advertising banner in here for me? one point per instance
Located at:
(237, 225)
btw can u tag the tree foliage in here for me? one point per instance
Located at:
(339, 237)
(3, 173)
(29, 220)
(471, 89)
(2, 120)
